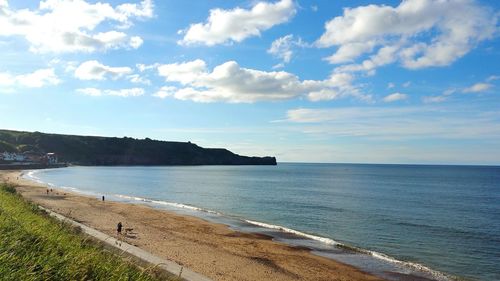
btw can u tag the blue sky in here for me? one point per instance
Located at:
(413, 81)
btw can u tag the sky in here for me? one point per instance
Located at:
(346, 81)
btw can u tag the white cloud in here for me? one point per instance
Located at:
(236, 25)
(477, 88)
(184, 73)
(278, 65)
(70, 26)
(449, 92)
(421, 33)
(434, 99)
(94, 70)
(493, 78)
(229, 82)
(135, 42)
(397, 123)
(390, 85)
(37, 79)
(94, 92)
(395, 97)
(132, 92)
(441, 98)
(136, 78)
(384, 56)
(309, 115)
(165, 91)
(349, 52)
(127, 10)
(282, 48)
(338, 85)
(143, 67)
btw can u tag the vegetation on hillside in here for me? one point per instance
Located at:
(34, 246)
(88, 150)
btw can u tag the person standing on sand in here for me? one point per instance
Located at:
(119, 228)
(103, 198)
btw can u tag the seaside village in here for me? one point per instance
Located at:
(28, 158)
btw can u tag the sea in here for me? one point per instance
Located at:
(400, 222)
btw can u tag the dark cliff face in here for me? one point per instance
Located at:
(86, 150)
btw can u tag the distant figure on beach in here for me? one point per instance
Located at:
(47, 192)
(103, 198)
(119, 228)
(51, 190)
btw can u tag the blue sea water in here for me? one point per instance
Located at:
(404, 219)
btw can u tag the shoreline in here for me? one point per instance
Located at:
(211, 249)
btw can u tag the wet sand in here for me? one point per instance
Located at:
(213, 250)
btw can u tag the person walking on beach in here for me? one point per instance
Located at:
(103, 198)
(119, 228)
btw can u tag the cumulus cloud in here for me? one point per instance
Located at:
(132, 92)
(184, 73)
(94, 70)
(395, 97)
(350, 51)
(229, 82)
(417, 33)
(477, 88)
(235, 25)
(135, 42)
(37, 79)
(70, 26)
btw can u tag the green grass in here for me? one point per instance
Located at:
(34, 246)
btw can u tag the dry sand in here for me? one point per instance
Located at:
(211, 249)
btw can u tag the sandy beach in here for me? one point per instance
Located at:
(210, 249)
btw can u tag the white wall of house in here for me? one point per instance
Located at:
(8, 156)
(52, 158)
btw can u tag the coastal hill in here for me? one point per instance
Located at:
(90, 150)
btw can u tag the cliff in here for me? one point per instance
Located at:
(90, 150)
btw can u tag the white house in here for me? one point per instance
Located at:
(12, 156)
(51, 158)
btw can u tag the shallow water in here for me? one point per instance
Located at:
(446, 218)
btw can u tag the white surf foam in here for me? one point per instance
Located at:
(166, 203)
(296, 232)
(411, 265)
(415, 266)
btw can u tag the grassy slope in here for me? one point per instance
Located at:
(34, 246)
